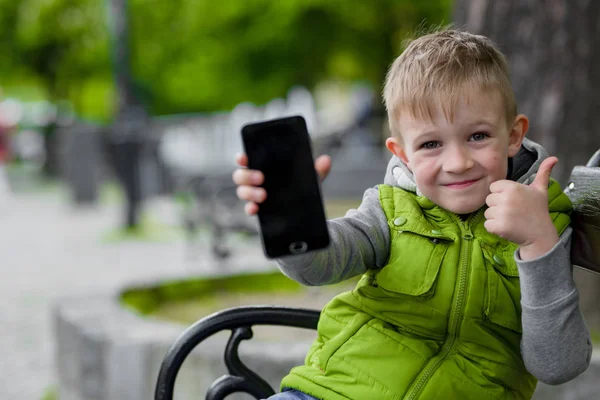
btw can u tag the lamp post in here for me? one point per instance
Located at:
(126, 132)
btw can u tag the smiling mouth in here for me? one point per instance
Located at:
(461, 185)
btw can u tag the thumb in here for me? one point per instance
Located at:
(542, 178)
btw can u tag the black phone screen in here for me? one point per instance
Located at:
(292, 218)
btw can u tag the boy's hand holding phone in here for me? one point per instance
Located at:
(279, 159)
(519, 213)
(249, 181)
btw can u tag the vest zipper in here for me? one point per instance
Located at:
(456, 311)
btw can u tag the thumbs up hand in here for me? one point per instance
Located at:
(519, 213)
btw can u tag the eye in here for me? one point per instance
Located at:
(430, 145)
(477, 136)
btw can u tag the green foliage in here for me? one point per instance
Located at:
(185, 301)
(217, 54)
(60, 45)
(201, 55)
(146, 300)
(64, 42)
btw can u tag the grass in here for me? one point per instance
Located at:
(185, 301)
(338, 207)
(51, 393)
(148, 230)
(595, 336)
(148, 299)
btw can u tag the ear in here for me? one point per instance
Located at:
(517, 133)
(394, 146)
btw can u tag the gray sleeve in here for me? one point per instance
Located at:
(556, 345)
(359, 241)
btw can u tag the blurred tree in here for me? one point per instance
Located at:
(191, 55)
(8, 27)
(63, 45)
(63, 42)
(203, 56)
(552, 46)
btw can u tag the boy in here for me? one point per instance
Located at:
(467, 289)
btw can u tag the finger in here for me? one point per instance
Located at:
(323, 166)
(251, 208)
(251, 193)
(250, 177)
(500, 185)
(488, 214)
(489, 226)
(493, 199)
(542, 178)
(495, 226)
(241, 159)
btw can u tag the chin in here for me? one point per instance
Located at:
(462, 209)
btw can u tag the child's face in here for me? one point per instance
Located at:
(454, 163)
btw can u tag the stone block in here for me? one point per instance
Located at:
(104, 352)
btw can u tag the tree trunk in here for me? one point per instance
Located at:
(553, 47)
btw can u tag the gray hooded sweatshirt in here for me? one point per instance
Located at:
(555, 346)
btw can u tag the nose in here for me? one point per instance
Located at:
(457, 160)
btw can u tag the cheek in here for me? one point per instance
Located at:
(424, 172)
(497, 166)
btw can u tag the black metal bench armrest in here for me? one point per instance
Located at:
(240, 321)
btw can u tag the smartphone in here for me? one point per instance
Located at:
(292, 218)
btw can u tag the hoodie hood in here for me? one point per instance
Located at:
(522, 168)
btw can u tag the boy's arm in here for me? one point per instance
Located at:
(359, 241)
(556, 345)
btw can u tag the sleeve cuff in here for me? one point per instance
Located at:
(549, 278)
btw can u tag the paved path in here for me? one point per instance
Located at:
(50, 249)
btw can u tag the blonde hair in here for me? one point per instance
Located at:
(440, 67)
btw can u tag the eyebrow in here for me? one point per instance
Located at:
(482, 122)
(431, 132)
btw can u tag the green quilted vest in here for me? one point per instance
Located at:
(442, 320)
